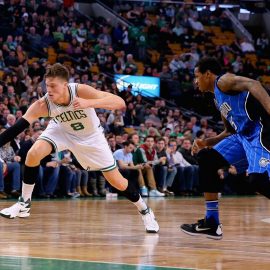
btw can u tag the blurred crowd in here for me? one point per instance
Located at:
(151, 140)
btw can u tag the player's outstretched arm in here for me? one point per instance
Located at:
(89, 97)
(36, 110)
(230, 82)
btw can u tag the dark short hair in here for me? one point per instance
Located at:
(160, 139)
(209, 63)
(127, 143)
(37, 129)
(57, 70)
(149, 136)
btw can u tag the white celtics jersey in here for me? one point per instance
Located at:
(82, 122)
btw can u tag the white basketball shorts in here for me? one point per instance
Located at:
(92, 151)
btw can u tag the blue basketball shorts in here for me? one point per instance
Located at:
(245, 153)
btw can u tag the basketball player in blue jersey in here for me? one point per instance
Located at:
(245, 142)
(76, 127)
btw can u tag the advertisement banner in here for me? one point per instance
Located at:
(143, 85)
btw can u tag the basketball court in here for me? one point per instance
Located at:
(100, 234)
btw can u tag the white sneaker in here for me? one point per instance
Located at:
(149, 220)
(19, 209)
(155, 193)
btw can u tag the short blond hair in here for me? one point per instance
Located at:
(57, 70)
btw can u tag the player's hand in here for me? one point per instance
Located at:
(80, 103)
(197, 146)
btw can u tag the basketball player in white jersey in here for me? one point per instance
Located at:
(76, 127)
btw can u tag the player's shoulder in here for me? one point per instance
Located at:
(42, 105)
(226, 81)
(41, 102)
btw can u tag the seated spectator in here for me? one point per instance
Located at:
(176, 64)
(147, 155)
(47, 40)
(11, 167)
(81, 178)
(3, 171)
(262, 44)
(185, 150)
(112, 143)
(68, 175)
(185, 171)
(97, 184)
(125, 162)
(195, 24)
(178, 29)
(142, 132)
(164, 172)
(115, 121)
(247, 46)
(48, 176)
(130, 63)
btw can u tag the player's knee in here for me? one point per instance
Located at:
(211, 160)
(34, 155)
(209, 163)
(256, 179)
(260, 183)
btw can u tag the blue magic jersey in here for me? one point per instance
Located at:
(238, 109)
(249, 148)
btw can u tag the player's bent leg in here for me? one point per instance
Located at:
(260, 182)
(38, 151)
(209, 163)
(115, 178)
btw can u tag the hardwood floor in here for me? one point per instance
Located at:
(112, 231)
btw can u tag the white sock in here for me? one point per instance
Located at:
(27, 191)
(141, 205)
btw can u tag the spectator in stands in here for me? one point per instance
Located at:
(177, 30)
(3, 171)
(142, 44)
(34, 40)
(247, 46)
(130, 63)
(125, 162)
(164, 173)
(47, 40)
(11, 166)
(69, 177)
(48, 176)
(195, 24)
(142, 132)
(262, 44)
(127, 94)
(184, 175)
(11, 61)
(112, 143)
(130, 118)
(153, 117)
(115, 121)
(176, 64)
(146, 154)
(165, 74)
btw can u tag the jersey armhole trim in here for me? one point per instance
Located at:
(76, 90)
(48, 106)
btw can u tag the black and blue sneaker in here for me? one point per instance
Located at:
(204, 227)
